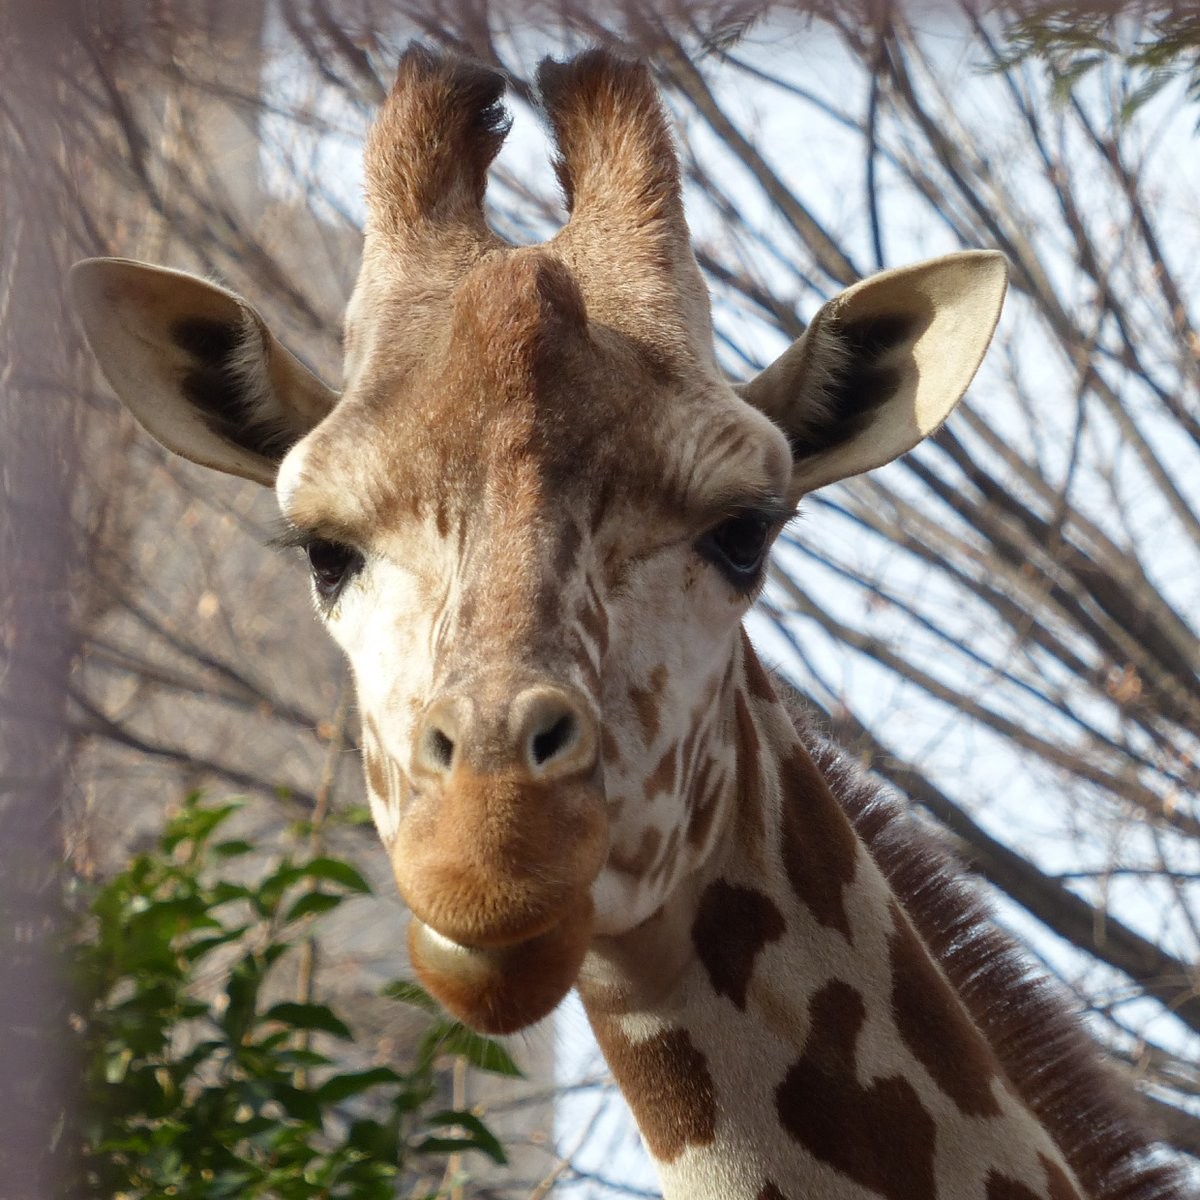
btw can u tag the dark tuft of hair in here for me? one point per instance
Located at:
(224, 383)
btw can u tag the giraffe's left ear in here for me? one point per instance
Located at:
(881, 365)
(197, 366)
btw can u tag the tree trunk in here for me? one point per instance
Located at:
(37, 639)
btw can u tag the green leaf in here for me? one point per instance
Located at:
(275, 951)
(408, 992)
(336, 871)
(270, 890)
(224, 891)
(313, 902)
(181, 1069)
(116, 1066)
(298, 1104)
(352, 1083)
(449, 1037)
(475, 1136)
(242, 991)
(375, 1140)
(1071, 74)
(167, 1112)
(273, 1041)
(194, 951)
(195, 824)
(232, 849)
(301, 1058)
(308, 1016)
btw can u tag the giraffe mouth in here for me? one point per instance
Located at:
(503, 989)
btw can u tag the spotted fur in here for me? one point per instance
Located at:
(1043, 1050)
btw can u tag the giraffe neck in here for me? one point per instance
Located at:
(780, 1029)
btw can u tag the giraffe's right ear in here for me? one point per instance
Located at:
(197, 366)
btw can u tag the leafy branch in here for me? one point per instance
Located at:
(225, 1095)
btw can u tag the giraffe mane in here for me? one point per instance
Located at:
(1053, 1064)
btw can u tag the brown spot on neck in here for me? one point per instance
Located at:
(935, 1026)
(373, 759)
(770, 1192)
(879, 1135)
(662, 778)
(666, 860)
(1003, 1187)
(757, 679)
(732, 926)
(594, 620)
(705, 797)
(609, 746)
(820, 850)
(376, 777)
(666, 1082)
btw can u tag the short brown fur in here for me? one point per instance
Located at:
(430, 146)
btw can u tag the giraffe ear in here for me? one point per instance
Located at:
(197, 366)
(881, 366)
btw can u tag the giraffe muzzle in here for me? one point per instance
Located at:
(497, 850)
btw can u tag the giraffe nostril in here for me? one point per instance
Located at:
(552, 733)
(551, 741)
(439, 750)
(444, 736)
(544, 732)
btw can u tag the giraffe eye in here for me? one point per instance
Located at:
(332, 564)
(738, 546)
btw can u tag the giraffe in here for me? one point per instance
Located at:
(535, 517)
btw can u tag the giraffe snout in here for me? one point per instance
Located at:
(545, 732)
(497, 850)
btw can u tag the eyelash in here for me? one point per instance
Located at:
(333, 563)
(737, 547)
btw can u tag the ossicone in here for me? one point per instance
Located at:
(429, 149)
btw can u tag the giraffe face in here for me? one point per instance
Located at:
(537, 512)
(535, 547)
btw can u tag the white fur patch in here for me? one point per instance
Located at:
(291, 472)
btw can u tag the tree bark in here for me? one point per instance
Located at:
(38, 556)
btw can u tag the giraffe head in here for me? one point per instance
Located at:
(537, 512)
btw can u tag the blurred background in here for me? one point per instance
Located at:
(1002, 625)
